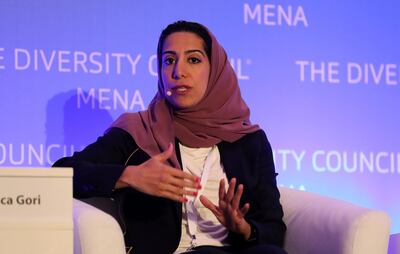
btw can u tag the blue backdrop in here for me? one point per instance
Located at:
(322, 79)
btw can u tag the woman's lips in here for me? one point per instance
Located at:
(181, 90)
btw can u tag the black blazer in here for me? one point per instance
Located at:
(152, 224)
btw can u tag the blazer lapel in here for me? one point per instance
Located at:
(231, 159)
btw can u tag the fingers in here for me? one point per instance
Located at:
(177, 190)
(174, 196)
(244, 209)
(180, 179)
(182, 175)
(173, 175)
(175, 193)
(237, 196)
(231, 190)
(228, 211)
(184, 183)
(231, 200)
(164, 156)
(222, 192)
(208, 204)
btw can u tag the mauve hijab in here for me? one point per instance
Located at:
(221, 115)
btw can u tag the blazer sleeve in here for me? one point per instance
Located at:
(265, 214)
(267, 218)
(98, 167)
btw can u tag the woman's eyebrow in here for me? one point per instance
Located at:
(186, 52)
(169, 52)
(194, 51)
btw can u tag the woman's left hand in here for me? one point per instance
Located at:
(228, 211)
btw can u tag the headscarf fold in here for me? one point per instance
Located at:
(221, 115)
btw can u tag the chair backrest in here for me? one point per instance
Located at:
(317, 224)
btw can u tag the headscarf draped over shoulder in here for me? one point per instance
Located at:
(221, 115)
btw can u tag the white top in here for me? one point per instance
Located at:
(199, 224)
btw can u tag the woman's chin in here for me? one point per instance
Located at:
(182, 104)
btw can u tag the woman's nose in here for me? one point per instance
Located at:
(179, 70)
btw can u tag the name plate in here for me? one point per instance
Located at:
(36, 210)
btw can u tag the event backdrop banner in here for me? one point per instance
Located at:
(321, 78)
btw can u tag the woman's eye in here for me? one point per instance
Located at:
(194, 60)
(169, 61)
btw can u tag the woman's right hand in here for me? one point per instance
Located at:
(155, 177)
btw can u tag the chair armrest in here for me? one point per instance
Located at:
(317, 224)
(96, 232)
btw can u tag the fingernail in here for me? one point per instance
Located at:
(197, 180)
(199, 186)
(195, 193)
(185, 200)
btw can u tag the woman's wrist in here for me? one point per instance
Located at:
(126, 179)
(251, 233)
(120, 184)
(247, 231)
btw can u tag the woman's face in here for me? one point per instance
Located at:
(185, 69)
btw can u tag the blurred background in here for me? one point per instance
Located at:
(321, 78)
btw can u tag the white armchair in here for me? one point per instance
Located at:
(315, 225)
(96, 232)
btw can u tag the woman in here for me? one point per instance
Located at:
(191, 173)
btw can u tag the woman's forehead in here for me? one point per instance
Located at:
(183, 40)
